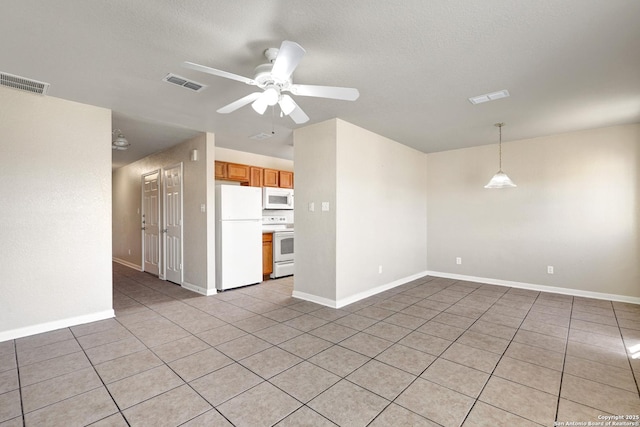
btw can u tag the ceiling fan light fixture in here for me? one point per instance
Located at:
(271, 96)
(120, 143)
(259, 105)
(500, 179)
(286, 104)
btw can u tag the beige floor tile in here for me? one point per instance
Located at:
(461, 308)
(500, 319)
(211, 418)
(598, 395)
(180, 348)
(535, 355)
(366, 344)
(104, 337)
(145, 385)
(339, 360)
(50, 368)
(397, 416)
(44, 339)
(545, 328)
(436, 403)
(381, 379)
(347, 404)
(483, 342)
(426, 343)
(356, 321)
(270, 362)
(115, 420)
(387, 331)
(535, 376)
(405, 320)
(305, 306)
(441, 330)
(305, 345)
(520, 400)
(305, 381)
(572, 411)
(168, 409)
(254, 323)
(454, 320)
(507, 310)
(112, 351)
(225, 383)
(550, 318)
(53, 390)
(305, 323)
(277, 334)
(595, 318)
(433, 305)
(596, 328)
(243, 347)
(222, 334)
(94, 327)
(127, 366)
(406, 358)
(605, 374)
(493, 329)
(7, 361)
(10, 405)
(377, 313)
(597, 340)
(8, 380)
(83, 409)
(472, 357)
(305, 417)
(199, 364)
(29, 353)
(483, 415)
(268, 406)
(282, 314)
(540, 340)
(454, 376)
(425, 313)
(333, 332)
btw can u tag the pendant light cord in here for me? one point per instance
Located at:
(500, 147)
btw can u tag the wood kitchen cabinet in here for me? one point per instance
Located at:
(267, 253)
(286, 179)
(255, 176)
(271, 178)
(236, 172)
(220, 170)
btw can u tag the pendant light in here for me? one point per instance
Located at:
(500, 179)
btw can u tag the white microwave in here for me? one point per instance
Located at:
(277, 198)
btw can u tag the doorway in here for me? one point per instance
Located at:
(151, 222)
(172, 197)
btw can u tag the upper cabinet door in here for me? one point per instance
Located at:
(286, 179)
(221, 170)
(237, 172)
(255, 176)
(271, 178)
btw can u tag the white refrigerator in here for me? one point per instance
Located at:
(238, 236)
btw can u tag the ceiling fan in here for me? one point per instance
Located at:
(274, 78)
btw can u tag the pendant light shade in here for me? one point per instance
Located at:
(500, 179)
(120, 143)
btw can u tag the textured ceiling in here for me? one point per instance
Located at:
(569, 65)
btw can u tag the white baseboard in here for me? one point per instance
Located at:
(199, 289)
(534, 287)
(56, 324)
(356, 297)
(127, 263)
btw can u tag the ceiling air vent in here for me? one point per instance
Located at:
(181, 81)
(22, 83)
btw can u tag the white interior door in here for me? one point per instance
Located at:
(173, 223)
(151, 222)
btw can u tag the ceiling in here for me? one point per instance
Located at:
(569, 65)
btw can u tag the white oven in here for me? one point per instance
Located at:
(277, 198)
(282, 253)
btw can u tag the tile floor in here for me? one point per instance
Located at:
(428, 353)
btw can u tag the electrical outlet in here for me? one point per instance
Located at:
(312, 207)
(379, 269)
(458, 260)
(325, 206)
(549, 269)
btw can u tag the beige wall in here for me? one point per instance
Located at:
(376, 190)
(244, 158)
(576, 208)
(198, 237)
(55, 158)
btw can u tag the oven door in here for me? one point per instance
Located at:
(283, 246)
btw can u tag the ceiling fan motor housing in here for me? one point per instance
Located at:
(264, 78)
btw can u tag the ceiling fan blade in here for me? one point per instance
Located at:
(229, 108)
(333, 92)
(287, 104)
(288, 58)
(218, 73)
(297, 115)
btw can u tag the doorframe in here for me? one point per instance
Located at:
(143, 212)
(164, 221)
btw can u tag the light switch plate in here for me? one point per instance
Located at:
(312, 207)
